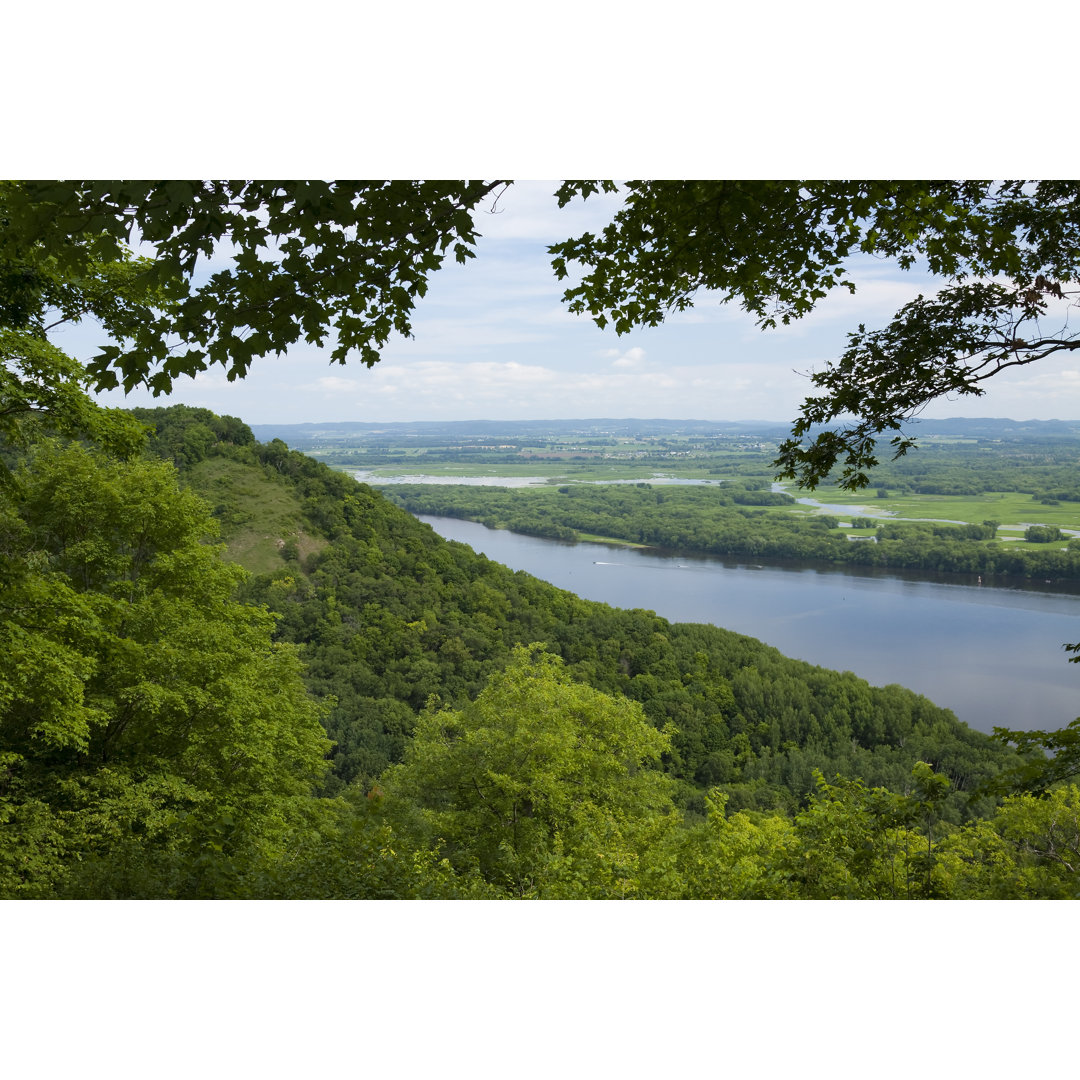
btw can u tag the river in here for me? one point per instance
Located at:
(992, 655)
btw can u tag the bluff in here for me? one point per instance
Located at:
(388, 618)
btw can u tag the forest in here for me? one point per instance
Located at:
(377, 712)
(233, 672)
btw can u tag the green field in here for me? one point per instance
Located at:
(554, 471)
(1013, 510)
(592, 538)
(1043, 473)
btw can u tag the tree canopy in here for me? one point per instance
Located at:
(342, 264)
(338, 263)
(158, 733)
(1005, 252)
(543, 784)
(147, 719)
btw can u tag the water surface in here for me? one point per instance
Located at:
(992, 655)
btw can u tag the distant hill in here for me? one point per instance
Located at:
(304, 435)
(297, 435)
(996, 428)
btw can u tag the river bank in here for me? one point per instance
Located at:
(992, 655)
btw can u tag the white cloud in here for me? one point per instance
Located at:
(334, 384)
(632, 358)
(434, 389)
(487, 375)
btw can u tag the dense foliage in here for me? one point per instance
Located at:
(310, 257)
(426, 648)
(147, 717)
(543, 786)
(384, 714)
(343, 263)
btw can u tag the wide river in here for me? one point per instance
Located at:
(992, 655)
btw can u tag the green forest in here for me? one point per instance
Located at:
(235, 673)
(367, 710)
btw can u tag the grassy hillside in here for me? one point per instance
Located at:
(261, 515)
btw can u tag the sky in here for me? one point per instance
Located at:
(492, 340)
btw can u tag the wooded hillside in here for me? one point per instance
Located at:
(482, 733)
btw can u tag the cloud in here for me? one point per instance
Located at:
(334, 384)
(445, 389)
(632, 358)
(485, 375)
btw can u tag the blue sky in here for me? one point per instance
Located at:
(492, 340)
